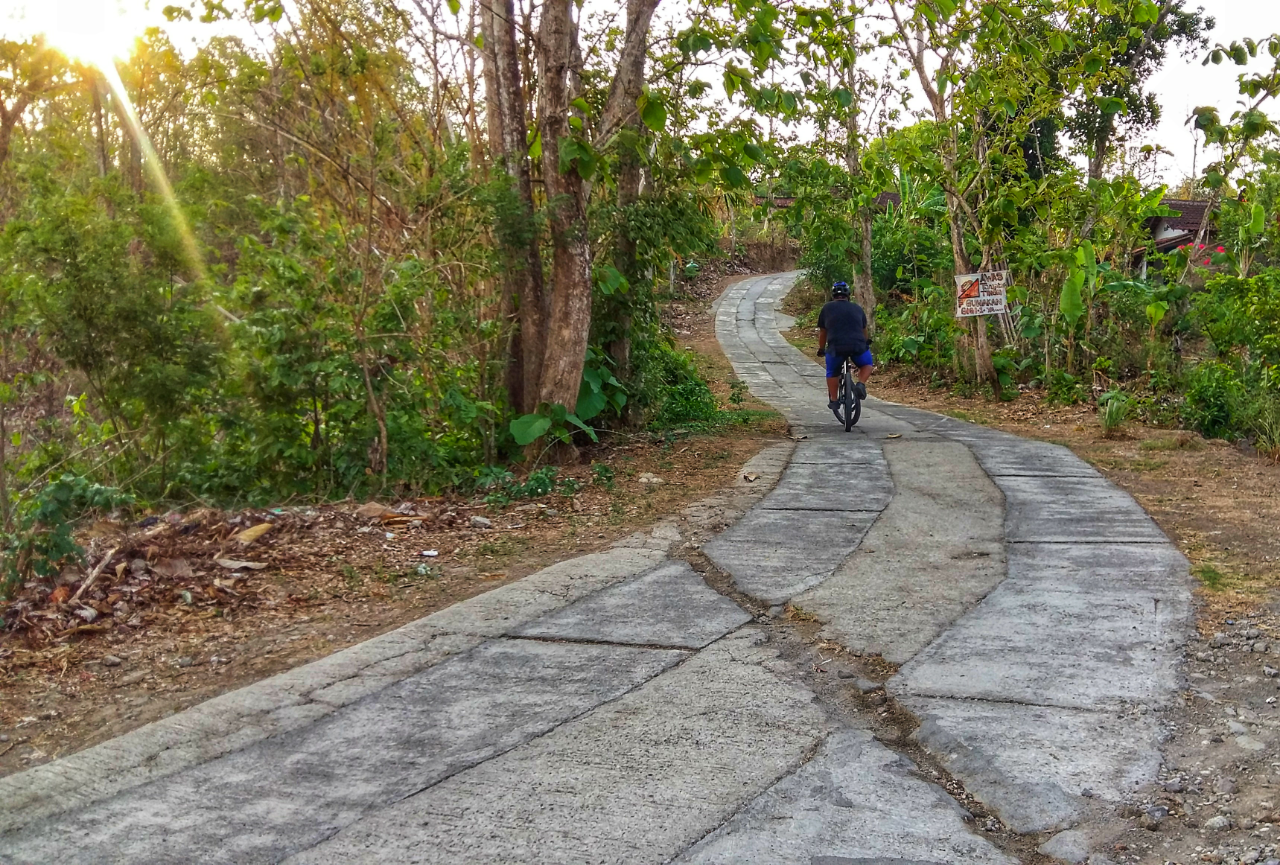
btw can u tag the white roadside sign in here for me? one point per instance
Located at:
(981, 293)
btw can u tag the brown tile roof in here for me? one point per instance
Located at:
(1191, 213)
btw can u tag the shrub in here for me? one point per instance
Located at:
(685, 399)
(42, 544)
(1213, 400)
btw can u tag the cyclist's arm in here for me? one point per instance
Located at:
(822, 340)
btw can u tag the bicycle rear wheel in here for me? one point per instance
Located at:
(849, 399)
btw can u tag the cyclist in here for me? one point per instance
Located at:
(842, 332)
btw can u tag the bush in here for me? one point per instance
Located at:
(685, 400)
(1214, 400)
(42, 544)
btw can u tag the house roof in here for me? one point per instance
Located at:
(1190, 214)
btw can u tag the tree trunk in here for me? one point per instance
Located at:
(9, 117)
(569, 315)
(507, 121)
(864, 289)
(621, 115)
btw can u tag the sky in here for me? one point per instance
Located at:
(1181, 85)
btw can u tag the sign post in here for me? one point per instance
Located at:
(982, 294)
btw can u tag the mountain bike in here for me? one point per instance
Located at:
(850, 408)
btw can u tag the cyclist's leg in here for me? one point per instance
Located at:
(865, 364)
(833, 379)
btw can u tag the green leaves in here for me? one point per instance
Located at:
(609, 280)
(653, 113)
(576, 154)
(1156, 311)
(1257, 220)
(1071, 301)
(1111, 105)
(734, 176)
(528, 428)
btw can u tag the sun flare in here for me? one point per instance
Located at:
(96, 32)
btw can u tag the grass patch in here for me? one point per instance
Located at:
(1173, 443)
(1147, 465)
(1209, 575)
(799, 614)
(967, 417)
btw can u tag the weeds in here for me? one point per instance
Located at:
(1182, 441)
(1113, 411)
(1210, 576)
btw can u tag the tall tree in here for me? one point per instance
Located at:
(1118, 105)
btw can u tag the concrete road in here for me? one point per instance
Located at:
(617, 708)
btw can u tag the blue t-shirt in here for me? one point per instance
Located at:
(846, 327)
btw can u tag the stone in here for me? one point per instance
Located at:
(1152, 817)
(186, 661)
(479, 522)
(1219, 640)
(111, 661)
(1174, 786)
(1218, 824)
(1226, 786)
(1252, 634)
(1270, 672)
(1069, 846)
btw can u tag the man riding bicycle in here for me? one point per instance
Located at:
(842, 332)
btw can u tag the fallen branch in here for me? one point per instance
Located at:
(93, 575)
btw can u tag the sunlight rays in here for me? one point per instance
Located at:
(100, 33)
(154, 168)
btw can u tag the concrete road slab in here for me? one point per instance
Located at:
(636, 781)
(1053, 648)
(1023, 457)
(287, 793)
(1031, 763)
(1074, 510)
(775, 555)
(835, 486)
(496, 612)
(833, 452)
(1154, 571)
(855, 801)
(669, 606)
(933, 554)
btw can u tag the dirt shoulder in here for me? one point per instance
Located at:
(165, 625)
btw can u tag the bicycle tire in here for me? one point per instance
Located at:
(848, 398)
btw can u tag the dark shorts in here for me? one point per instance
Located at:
(834, 361)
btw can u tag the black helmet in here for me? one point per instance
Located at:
(840, 289)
